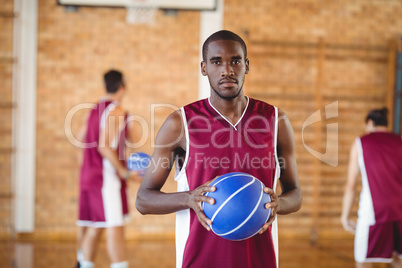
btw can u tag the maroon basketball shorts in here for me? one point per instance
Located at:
(378, 242)
(106, 206)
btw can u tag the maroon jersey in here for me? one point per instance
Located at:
(92, 166)
(215, 147)
(380, 160)
(103, 198)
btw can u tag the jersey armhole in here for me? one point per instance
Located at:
(181, 170)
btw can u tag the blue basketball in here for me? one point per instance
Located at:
(138, 162)
(239, 211)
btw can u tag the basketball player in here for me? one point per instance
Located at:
(378, 232)
(227, 132)
(103, 200)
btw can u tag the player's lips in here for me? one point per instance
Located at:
(227, 81)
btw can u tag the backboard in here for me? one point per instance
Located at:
(163, 4)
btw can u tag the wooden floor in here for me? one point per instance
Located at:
(161, 254)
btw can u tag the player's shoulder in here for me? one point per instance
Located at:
(172, 130)
(174, 119)
(283, 122)
(195, 104)
(261, 105)
(282, 114)
(117, 110)
(253, 100)
(386, 137)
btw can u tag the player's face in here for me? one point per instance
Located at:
(225, 67)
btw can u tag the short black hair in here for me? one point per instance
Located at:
(113, 80)
(379, 117)
(223, 35)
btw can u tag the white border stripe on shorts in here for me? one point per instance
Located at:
(111, 195)
(366, 216)
(84, 223)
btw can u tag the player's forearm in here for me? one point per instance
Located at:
(290, 201)
(156, 202)
(113, 158)
(347, 203)
(351, 184)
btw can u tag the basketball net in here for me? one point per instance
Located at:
(141, 11)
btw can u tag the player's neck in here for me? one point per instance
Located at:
(112, 97)
(380, 129)
(231, 109)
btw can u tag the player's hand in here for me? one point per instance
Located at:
(349, 225)
(197, 197)
(141, 173)
(134, 176)
(273, 205)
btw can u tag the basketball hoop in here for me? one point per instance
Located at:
(141, 11)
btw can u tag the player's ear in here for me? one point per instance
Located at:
(203, 68)
(247, 66)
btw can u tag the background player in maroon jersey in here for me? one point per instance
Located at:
(103, 200)
(227, 113)
(377, 156)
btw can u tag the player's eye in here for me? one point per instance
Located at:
(236, 62)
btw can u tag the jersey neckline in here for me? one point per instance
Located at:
(222, 116)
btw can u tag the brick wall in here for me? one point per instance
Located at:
(6, 107)
(160, 63)
(304, 55)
